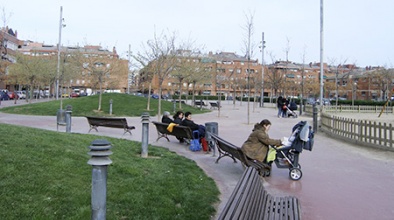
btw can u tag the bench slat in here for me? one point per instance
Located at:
(249, 199)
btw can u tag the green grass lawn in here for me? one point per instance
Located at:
(45, 175)
(122, 105)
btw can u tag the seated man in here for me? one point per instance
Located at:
(193, 126)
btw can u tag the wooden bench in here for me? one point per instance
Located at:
(182, 102)
(199, 103)
(214, 105)
(95, 122)
(250, 200)
(178, 131)
(226, 149)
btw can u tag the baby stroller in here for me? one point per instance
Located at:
(290, 110)
(287, 156)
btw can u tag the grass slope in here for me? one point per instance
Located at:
(122, 105)
(45, 175)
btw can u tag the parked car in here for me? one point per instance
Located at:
(21, 94)
(325, 102)
(310, 101)
(65, 95)
(74, 95)
(155, 96)
(4, 96)
(165, 96)
(12, 95)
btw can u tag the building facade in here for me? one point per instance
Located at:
(9, 44)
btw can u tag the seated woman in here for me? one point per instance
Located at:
(257, 144)
(178, 117)
(166, 118)
(193, 126)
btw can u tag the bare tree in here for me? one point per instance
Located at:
(4, 59)
(383, 78)
(287, 51)
(160, 54)
(32, 71)
(338, 70)
(274, 77)
(99, 70)
(248, 48)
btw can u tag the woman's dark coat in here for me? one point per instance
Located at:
(256, 146)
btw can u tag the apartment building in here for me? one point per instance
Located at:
(93, 60)
(9, 43)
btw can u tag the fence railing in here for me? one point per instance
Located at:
(308, 109)
(370, 133)
(358, 108)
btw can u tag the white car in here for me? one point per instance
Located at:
(21, 94)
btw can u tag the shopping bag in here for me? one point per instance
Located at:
(195, 142)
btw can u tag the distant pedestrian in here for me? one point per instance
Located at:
(279, 104)
(15, 97)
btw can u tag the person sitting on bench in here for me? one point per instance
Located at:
(166, 118)
(257, 145)
(190, 123)
(178, 118)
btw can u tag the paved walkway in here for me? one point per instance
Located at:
(340, 180)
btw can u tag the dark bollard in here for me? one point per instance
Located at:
(314, 118)
(60, 118)
(99, 150)
(145, 134)
(68, 118)
(301, 106)
(211, 127)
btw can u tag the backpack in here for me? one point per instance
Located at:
(195, 142)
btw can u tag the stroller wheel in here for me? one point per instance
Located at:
(295, 173)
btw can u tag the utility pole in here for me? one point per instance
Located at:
(321, 54)
(128, 72)
(58, 52)
(262, 71)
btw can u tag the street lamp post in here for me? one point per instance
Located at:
(321, 54)
(262, 71)
(61, 25)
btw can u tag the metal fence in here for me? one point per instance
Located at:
(369, 133)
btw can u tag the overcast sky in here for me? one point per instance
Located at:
(359, 32)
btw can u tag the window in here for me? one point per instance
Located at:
(221, 70)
